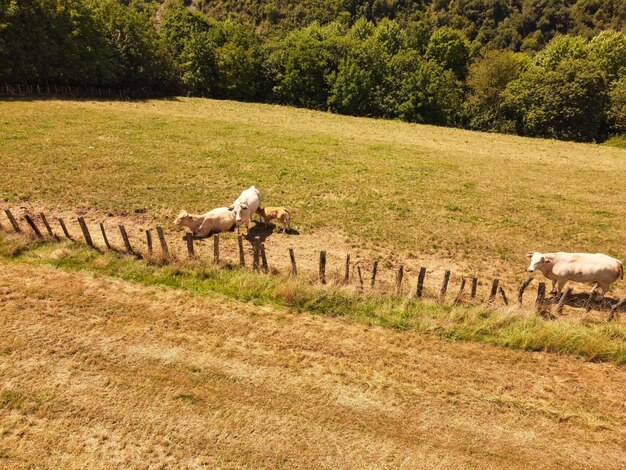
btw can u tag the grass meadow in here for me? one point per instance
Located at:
(585, 336)
(108, 361)
(98, 372)
(394, 189)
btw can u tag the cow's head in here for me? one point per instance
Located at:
(182, 218)
(240, 212)
(537, 261)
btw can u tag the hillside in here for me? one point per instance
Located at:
(472, 202)
(531, 68)
(513, 24)
(100, 373)
(111, 361)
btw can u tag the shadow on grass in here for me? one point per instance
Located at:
(597, 303)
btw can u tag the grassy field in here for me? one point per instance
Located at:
(587, 335)
(99, 373)
(108, 361)
(473, 200)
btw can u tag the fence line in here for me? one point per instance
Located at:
(72, 91)
(543, 306)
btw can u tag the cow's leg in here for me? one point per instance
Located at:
(591, 294)
(560, 284)
(553, 289)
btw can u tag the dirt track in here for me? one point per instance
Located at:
(99, 373)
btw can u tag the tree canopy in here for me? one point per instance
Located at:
(535, 67)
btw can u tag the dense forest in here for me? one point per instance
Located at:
(551, 68)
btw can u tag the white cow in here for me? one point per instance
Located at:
(245, 206)
(561, 267)
(218, 220)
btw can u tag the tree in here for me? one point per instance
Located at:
(561, 48)
(198, 65)
(565, 103)
(144, 62)
(608, 50)
(617, 108)
(450, 49)
(239, 61)
(359, 88)
(487, 80)
(304, 65)
(432, 96)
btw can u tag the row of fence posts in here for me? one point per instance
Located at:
(69, 91)
(259, 263)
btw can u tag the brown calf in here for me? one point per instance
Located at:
(282, 214)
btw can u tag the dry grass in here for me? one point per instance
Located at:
(100, 373)
(424, 195)
(577, 333)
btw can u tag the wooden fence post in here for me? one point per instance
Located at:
(460, 294)
(503, 294)
(374, 271)
(104, 236)
(564, 296)
(264, 265)
(16, 227)
(615, 308)
(292, 256)
(474, 287)
(242, 258)
(32, 225)
(85, 230)
(323, 267)
(256, 253)
(399, 278)
(522, 288)
(420, 282)
(541, 295)
(346, 277)
(129, 248)
(149, 241)
(189, 238)
(46, 224)
(494, 289)
(358, 270)
(216, 248)
(164, 249)
(444, 285)
(589, 300)
(64, 228)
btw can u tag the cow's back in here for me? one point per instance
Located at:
(220, 219)
(251, 197)
(586, 267)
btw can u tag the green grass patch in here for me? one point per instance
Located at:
(511, 328)
(618, 141)
(21, 400)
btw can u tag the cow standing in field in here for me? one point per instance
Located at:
(597, 268)
(281, 214)
(245, 206)
(218, 220)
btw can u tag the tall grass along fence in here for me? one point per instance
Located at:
(158, 248)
